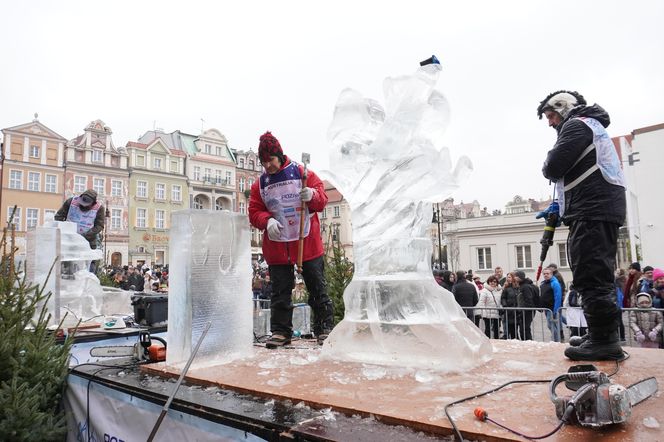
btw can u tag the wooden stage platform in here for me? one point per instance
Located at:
(417, 398)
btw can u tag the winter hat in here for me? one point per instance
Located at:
(88, 198)
(636, 266)
(269, 147)
(520, 274)
(644, 295)
(657, 273)
(647, 269)
(562, 102)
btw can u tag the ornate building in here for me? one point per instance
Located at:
(249, 170)
(93, 162)
(32, 175)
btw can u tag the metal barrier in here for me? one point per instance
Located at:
(526, 324)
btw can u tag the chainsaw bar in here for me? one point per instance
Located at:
(113, 351)
(642, 390)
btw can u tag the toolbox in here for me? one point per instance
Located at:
(150, 309)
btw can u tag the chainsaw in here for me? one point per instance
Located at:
(597, 401)
(142, 351)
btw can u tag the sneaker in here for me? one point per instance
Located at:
(277, 341)
(597, 348)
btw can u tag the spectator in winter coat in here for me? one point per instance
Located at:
(631, 288)
(646, 281)
(448, 280)
(621, 279)
(657, 291)
(490, 300)
(274, 207)
(647, 324)
(576, 321)
(590, 187)
(528, 298)
(551, 298)
(508, 298)
(465, 293)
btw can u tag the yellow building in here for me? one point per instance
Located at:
(32, 175)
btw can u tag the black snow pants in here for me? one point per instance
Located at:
(281, 304)
(592, 247)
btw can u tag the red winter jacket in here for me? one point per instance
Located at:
(274, 252)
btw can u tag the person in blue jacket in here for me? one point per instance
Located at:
(551, 298)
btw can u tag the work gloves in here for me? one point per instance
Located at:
(553, 208)
(306, 194)
(640, 338)
(653, 335)
(273, 229)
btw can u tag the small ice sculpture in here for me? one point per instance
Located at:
(210, 280)
(74, 289)
(390, 166)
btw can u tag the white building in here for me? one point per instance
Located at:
(642, 163)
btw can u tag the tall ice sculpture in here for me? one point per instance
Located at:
(210, 280)
(390, 165)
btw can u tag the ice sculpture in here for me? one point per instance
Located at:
(74, 289)
(210, 280)
(390, 166)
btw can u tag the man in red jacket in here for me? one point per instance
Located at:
(275, 207)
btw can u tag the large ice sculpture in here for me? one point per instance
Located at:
(74, 289)
(210, 280)
(390, 166)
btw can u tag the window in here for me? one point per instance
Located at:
(217, 176)
(243, 208)
(142, 189)
(208, 175)
(157, 163)
(16, 221)
(197, 173)
(116, 188)
(159, 219)
(31, 218)
(97, 156)
(34, 151)
(484, 258)
(251, 164)
(51, 183)
(140, 217)
(98, 184)
(562, 254)
(336, 211)
(160, 191)
(241, 185)
(140, 160)
(208, 148)
(218, 150)
(198, 202)
(523, 260)
(116, 219)
(176, 193)
(229, 178)
(251, 183)
(80, 184)
(16, 179)
(324, 214)
(174, 166)
(241, 163)
(49, 214)
(34, 179)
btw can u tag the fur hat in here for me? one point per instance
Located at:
(562, 102)
(88, 198)
(657, 273)
(269, 147)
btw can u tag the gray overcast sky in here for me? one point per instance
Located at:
(246, 67)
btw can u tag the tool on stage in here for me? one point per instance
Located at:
(167, 405)
(552, 221)
(143, 351)
(300, 246)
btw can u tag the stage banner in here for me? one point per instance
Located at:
(109, 415)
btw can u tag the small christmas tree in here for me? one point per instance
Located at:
(33, 366)
(338, 274)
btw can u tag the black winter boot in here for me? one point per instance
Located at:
(598, 347)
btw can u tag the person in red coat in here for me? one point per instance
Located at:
(275, 206)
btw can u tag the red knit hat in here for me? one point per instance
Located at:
(269, 147)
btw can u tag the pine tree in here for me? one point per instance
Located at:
(33, 366)
(338, 274)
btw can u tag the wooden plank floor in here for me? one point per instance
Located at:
(416, 398)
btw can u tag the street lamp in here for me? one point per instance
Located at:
(437, 220)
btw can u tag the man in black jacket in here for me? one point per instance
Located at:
(465, 293)
(527, 297)
(590, 190)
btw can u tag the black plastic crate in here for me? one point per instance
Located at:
(150, 310)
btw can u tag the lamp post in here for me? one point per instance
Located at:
(107, 215)
(437, 220)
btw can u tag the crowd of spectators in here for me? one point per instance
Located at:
(139, 278)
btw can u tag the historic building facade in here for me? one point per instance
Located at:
(157, 187)
(249, 170)
(32, 175)
(93, 162)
